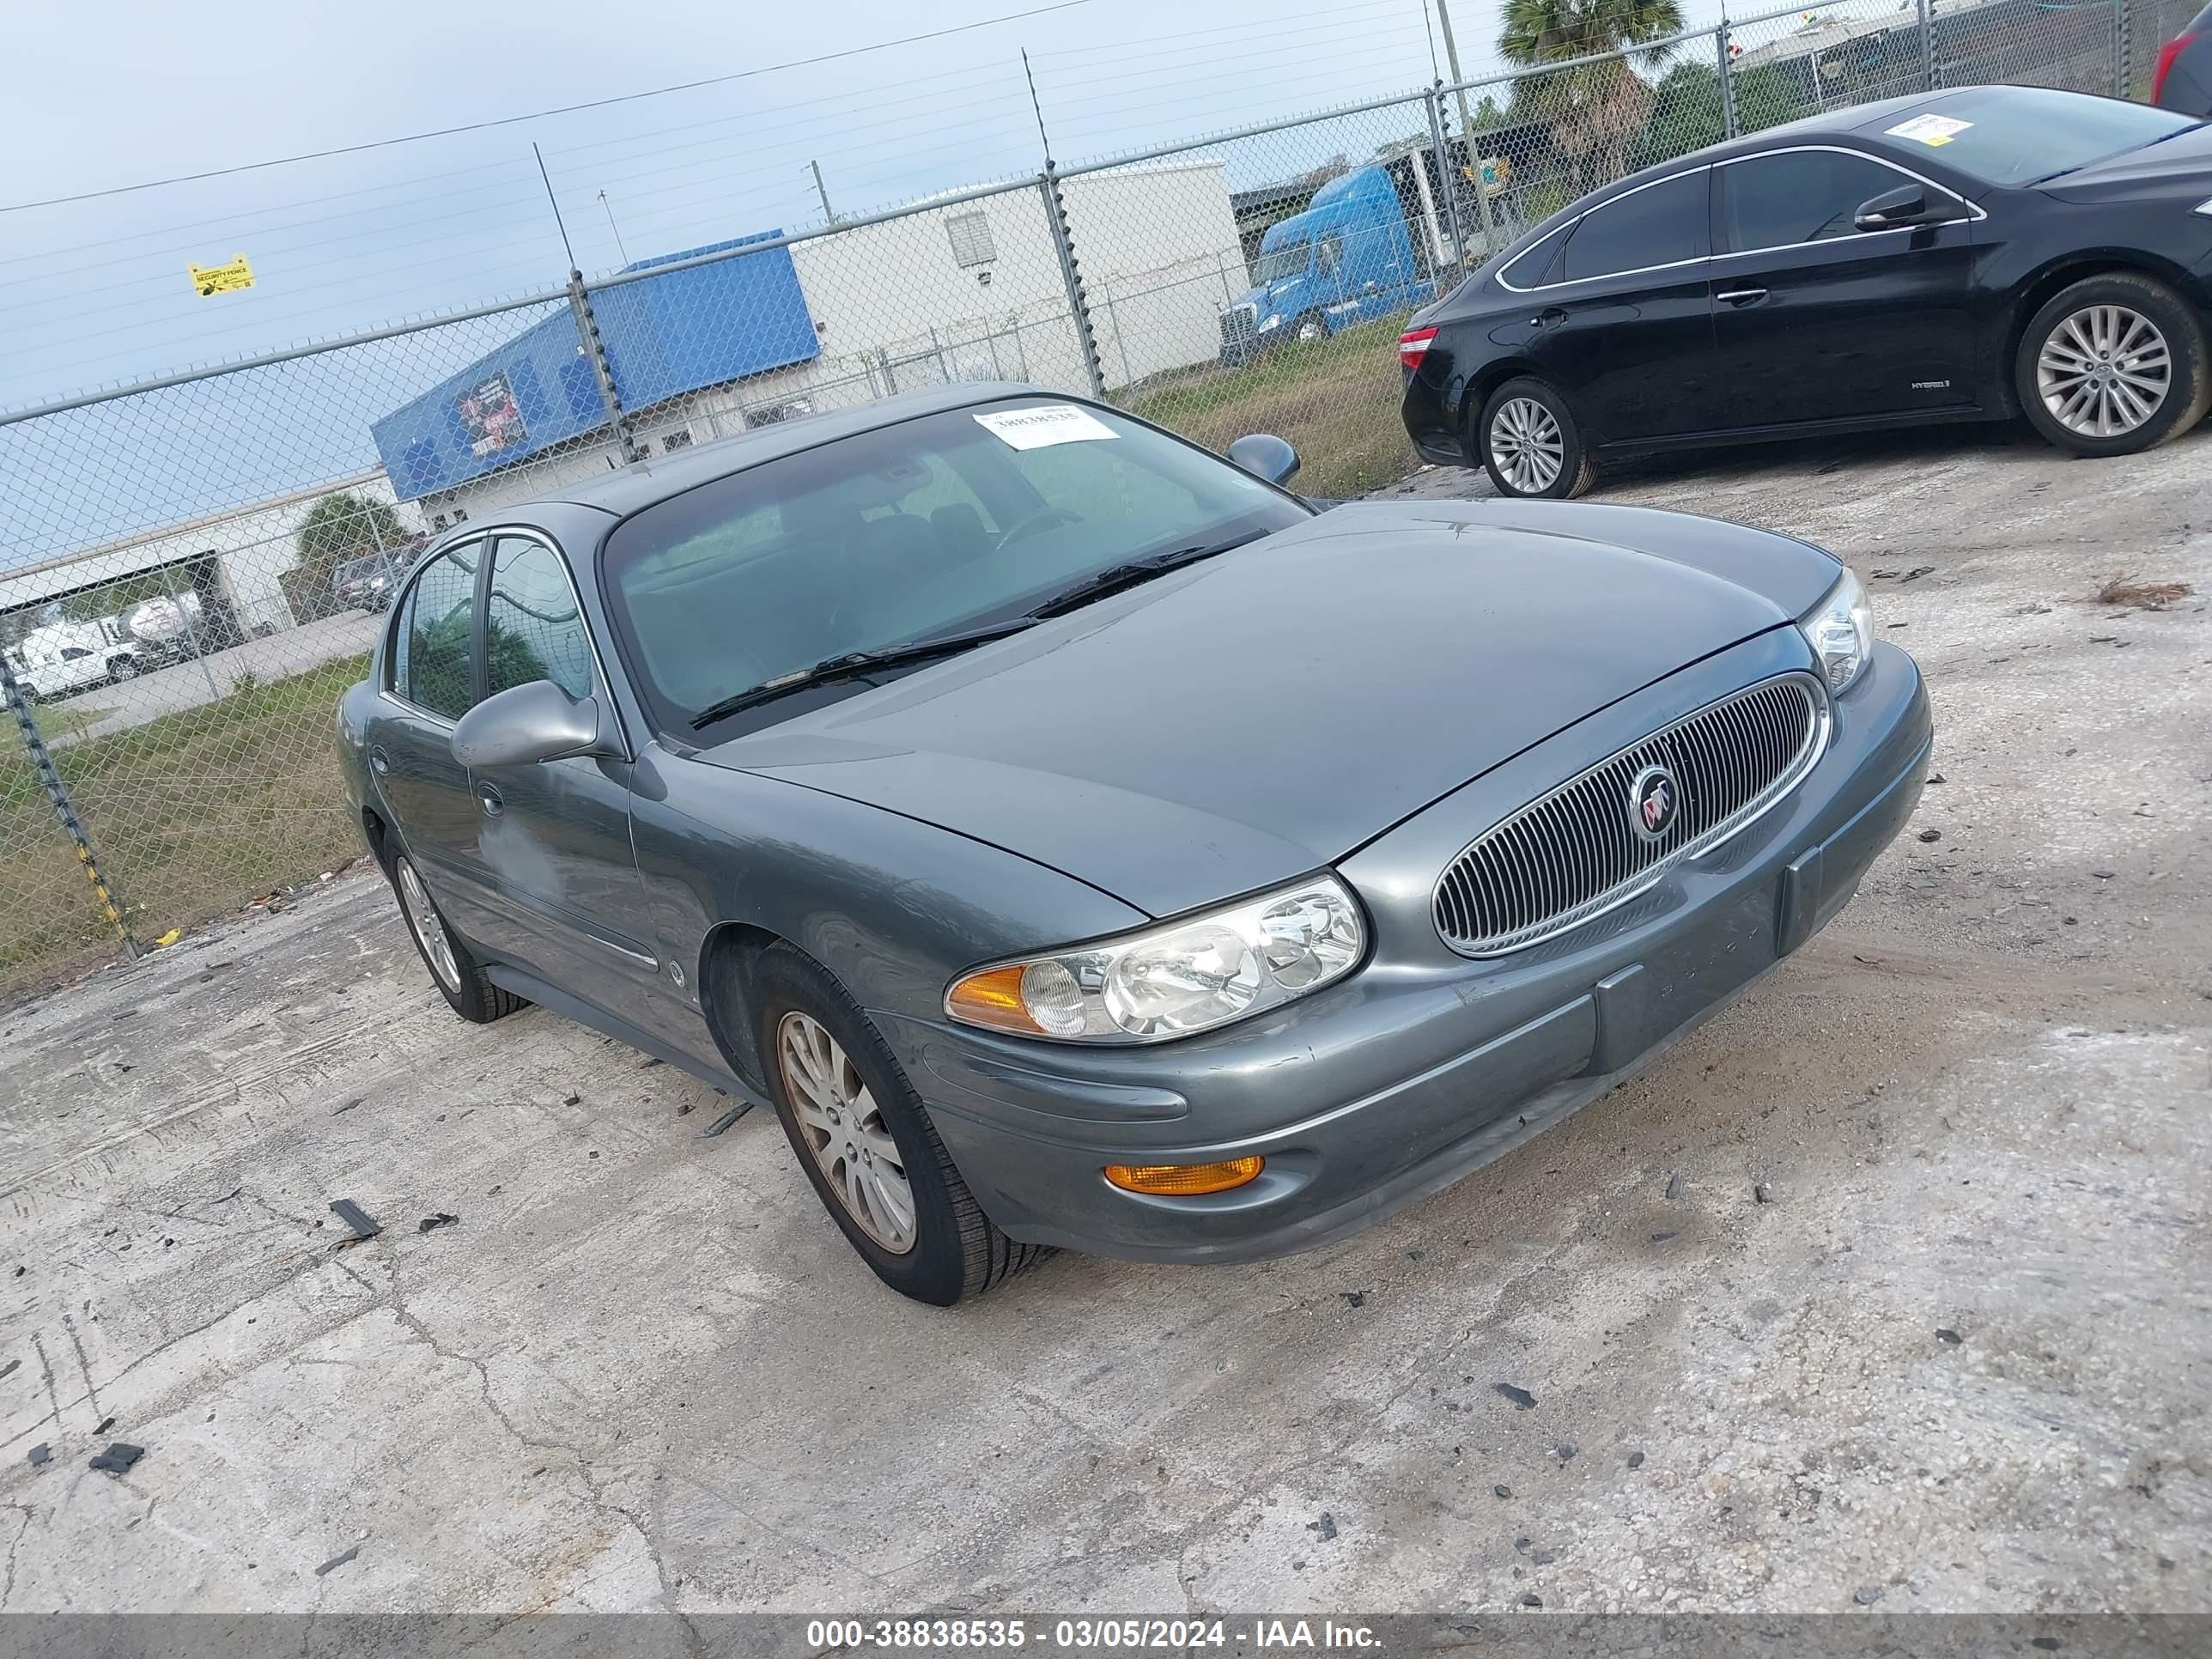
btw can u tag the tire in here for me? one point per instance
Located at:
(950, 1250)
(2092, 357)
(122, 668)
(1556, 467)
(452, 966)
(1309, 329)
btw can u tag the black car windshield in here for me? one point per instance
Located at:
(930, 526)
(2021, 135)
(1288, 260)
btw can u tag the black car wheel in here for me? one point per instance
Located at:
(459, 976)
(1531, 444)
(865, 1140)
(2112, 364)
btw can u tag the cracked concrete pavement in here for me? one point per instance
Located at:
(1959, 1358)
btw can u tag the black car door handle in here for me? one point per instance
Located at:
(1742, 296)
(1549, 315)
(490, 800)
(379, 761)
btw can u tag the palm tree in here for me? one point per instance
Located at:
(1595, 111)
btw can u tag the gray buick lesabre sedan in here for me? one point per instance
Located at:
(1081, 840)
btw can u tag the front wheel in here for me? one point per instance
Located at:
(122, 668)
(866, 1144)
(1310, 328)
(1531, 443)
(2112, 364)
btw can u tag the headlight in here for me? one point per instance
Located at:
(1275, 320)
(1180, 978)
(1840, 630)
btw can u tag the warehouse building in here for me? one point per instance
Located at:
(966, 291)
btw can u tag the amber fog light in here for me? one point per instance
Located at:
(1185, 1180)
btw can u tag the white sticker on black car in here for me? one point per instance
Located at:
(1930, 129)
(1037, 428)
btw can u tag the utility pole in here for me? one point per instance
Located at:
(1465, 124)
(829, 213)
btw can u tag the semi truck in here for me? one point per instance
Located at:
(1373, 241)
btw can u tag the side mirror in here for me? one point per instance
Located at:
(1266, 456)
(1905, 205)
(527, 724)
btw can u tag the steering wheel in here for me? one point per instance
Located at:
(1043, 519)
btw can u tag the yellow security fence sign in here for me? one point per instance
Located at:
(222, 279)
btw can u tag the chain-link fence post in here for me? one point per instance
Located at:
(1447, 176)
(1927, 46)
(587, 330)
(2119, 48)
(34, 745)
(1728, 79)
(192, 632)
(1070, 273)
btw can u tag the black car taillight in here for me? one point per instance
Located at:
(1413, 345)
(2166, 54)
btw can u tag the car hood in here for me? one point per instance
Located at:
(2180, 164)
(1253, 717)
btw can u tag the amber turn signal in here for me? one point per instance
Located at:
(994, 998)
(1185, 1180)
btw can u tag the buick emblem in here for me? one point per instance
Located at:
(1653, 799)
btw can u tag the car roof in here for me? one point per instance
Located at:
(643, 483)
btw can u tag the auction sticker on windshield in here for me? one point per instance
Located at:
(1930, 129)
(1038, 429)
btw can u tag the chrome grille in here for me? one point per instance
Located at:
(1574, 853)
(1240, 323)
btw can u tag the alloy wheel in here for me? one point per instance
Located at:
(429, 931)
(1527, 445)
(2104, 371)
(844, 1128)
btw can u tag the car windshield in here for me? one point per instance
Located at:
(1288, 260)
(354, 570)
(931, 526)
(2022, 135)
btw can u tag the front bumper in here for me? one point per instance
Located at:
(1423, 1066)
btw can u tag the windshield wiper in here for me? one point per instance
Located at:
(853, 665)
(1115, 577)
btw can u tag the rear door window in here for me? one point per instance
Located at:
(1663, 224)
(433, 643)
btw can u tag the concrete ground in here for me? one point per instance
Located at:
(1958, 1360)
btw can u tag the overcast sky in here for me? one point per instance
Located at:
(95, 292)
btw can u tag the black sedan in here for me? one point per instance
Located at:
(1969, 254)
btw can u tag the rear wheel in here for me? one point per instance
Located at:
(2112, 364)
(457, 973)
(1531, 443)
(865, 1140)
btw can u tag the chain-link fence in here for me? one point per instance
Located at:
(196, 564)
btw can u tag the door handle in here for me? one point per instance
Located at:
(379, 761)
(1549, 315)
(490, 800)
(1742, 296)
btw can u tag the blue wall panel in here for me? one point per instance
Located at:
(664, 336)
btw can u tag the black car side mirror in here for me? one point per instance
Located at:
(1267, 456)
(1905, 205)
(527, 724)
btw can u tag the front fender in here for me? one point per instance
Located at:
(893, 907)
